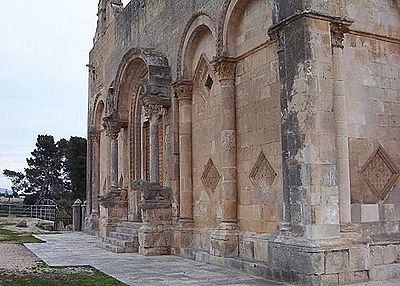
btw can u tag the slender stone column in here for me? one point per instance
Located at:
(183, 91)
(284, 213)
(175, 179)
(225, 239)
(113, 129)
(95, 187)
(153, 112)
(340, 110)
(143, 147)
(225, 69)
(89, 171)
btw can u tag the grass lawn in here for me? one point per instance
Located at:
(3, 214)
(42, 275)
(8, 236)
(45, 276)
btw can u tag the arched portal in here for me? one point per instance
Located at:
(140, 92)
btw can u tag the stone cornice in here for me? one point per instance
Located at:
(308, 14)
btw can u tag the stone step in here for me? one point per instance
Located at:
(131, 224)
(127, 230)
(124, 236)
(384, 272)
(112, 248)
(118, 245)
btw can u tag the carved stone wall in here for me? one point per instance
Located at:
(269, 207)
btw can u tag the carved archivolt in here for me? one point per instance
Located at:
(380, 173)
(183, 40)
(157, 83)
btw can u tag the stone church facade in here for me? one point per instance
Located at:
(257, 134)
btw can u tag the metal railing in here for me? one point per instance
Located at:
(45, 212)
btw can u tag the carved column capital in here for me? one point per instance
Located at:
(225, 68)
(153, 110)
(94, 135)
(113, 127)
(337, 34)
(183, 89)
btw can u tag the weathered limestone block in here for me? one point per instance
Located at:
(337, 262)
(390, 254)
(246, 249)
(294, 256)
(359, 259)
(376, 255)
(365, 212)
(353, 277)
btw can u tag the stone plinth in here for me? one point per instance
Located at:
(77, 215)
(183, 239)
(155, 235)
(116, 205)
(225, 241)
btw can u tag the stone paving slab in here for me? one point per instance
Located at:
(78, 249)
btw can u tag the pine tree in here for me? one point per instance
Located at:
(44, 171)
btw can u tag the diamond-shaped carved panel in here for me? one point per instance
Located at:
(262, 175)
(211, 176)
(380, 173)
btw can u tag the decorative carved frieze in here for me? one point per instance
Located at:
(211, 176)
(380, 173)
(225, 68)
(262, 175)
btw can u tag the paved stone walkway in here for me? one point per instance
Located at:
(77, 249)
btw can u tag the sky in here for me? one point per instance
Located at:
(44, 48)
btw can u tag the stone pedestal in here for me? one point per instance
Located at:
(77, 215)
(183, 239)
(92, 223)
(225, 241)
(155, 235)
(115, 206)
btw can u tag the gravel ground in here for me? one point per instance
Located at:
(16, 258)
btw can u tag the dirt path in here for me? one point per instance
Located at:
(16, 258)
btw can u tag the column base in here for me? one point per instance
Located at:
(91, 224)
(155, 235)
(183, 238)
(225, 240)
